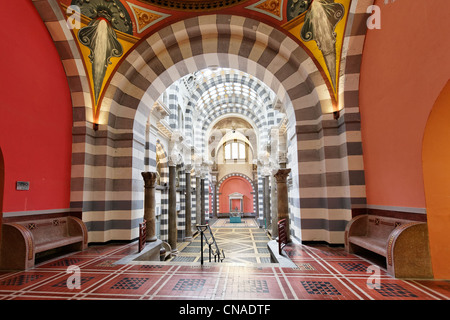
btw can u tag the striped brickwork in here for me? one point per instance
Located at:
(164, 178)
(326, 160)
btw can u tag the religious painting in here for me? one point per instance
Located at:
(320, 25)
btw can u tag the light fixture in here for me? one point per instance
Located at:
(336, 115)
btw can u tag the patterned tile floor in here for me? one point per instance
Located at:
(322, 273)
(243, 243)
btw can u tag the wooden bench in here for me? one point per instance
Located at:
(403, 243)
(22, 240)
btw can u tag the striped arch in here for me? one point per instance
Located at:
(232, 78)
(285, 68)
(216, 111)
(332, 151)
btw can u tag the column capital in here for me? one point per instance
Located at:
(282, 175)
(149, 179)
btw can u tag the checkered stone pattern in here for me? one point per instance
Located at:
(353, 266)
(320, 287)
(304, 267)
(20, 280)
(129, 283)
(150, 266)
(191, 249)
(63, 284)
(189, 285)
(183, 259)
(65, 262)
(253, 286)
(394, 290)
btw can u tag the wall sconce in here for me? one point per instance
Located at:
(336, 115)
(95, 126)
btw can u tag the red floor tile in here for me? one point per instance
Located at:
(24, 280)
(189, 286)
(322, 273)
(391, 289)
(321, 288)
(126, 285)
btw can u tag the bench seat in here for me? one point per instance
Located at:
(378, 246)
(22, 240)
(403, 243)
(57, 243)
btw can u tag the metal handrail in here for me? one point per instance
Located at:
(217, 252)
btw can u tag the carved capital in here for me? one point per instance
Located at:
(149, 179)
(281, 175)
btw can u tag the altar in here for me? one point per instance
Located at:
(236, 202)
(235, 217)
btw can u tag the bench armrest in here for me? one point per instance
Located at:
(356, 227)
(408, 253)
(18, 247)
(76, 227)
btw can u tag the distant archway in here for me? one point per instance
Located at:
(236, 183)
(436, 173)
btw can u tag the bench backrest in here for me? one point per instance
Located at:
(45, 230)
(381, 227)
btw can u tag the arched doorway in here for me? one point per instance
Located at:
(253, 47)
(436, 172)
(227, 202)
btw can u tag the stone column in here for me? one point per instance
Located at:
(198, 201)
(173, 232)
(188, 206)
(149, 205)
(214, 200)
(274, 207)
(266, 193)
(202, 201)
(283, 201)
(256, 196)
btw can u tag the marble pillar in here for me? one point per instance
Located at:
(198, 202)
(202, 201)
(149, 205)
(256, 196)
(173, 232)
(188, 208)
(283, 200)
(266, 201)
(214, 200)
(274, 207)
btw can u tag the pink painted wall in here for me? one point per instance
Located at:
(235, 184)
(35, 113)
(405, 65)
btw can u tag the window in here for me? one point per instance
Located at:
(235, 151)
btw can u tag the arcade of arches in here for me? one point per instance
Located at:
(183, 112)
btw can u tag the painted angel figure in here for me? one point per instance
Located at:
(320, 24)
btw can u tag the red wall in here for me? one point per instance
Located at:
(35, 113)
(405, 66)
(231, 185)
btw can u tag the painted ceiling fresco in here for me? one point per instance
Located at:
(108, 29)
